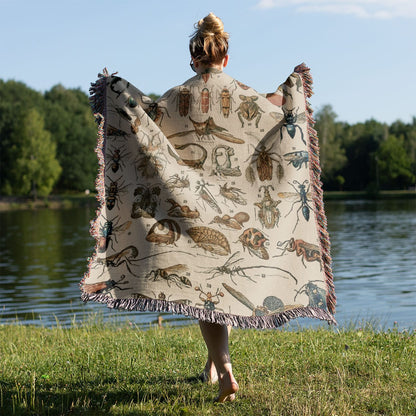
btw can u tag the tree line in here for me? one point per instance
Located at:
(47, 143)
(367, 156)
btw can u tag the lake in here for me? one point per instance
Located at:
(43, 256)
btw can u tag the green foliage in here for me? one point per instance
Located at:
(72, 134)
(394, 163)
(71, 123)
(14, 92)
(365, 156)
(153, 96)
(34, 167)
(15, 98)
(332, 155)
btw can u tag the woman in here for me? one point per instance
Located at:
(211, 204)
(209, 52)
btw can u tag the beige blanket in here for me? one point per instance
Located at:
(210, 202)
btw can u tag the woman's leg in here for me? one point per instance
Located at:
(216, 339)
(209, 373)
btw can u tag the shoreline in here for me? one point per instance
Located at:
(61, 201)
(68, 201)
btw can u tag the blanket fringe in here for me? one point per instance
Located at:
(244, 322)
(97, 103)
(307, 81)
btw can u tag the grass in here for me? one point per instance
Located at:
(109, 369)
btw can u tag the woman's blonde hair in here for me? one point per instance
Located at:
(209, 43)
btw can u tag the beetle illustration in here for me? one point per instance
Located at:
(210, 300)
(225, 99)
(184, 101)
(291, 118)
(306, 251)
(268, 213)
(316, 295)
(164, 231)
(249, 109)
(145, 201)
(263, 158)
(297, 159)
(205, 100)
(254, 240)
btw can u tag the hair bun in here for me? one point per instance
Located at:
(209, 43)
(211, 25)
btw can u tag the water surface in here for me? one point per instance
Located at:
(43, 255)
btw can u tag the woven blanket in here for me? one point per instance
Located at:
(210, 202)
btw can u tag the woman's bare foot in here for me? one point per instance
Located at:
(209, 374)
(228, 388)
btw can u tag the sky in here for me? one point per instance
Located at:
(361, 53)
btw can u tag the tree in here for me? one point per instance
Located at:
(361, 142)
(394, 164)
(332, 154)
(408, 133)
(153, 96)
(35, 168)
(14, 98)
(70, 120)
(7, 125)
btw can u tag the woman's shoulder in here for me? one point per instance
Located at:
(209, 80)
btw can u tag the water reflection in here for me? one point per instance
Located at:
(373, 247)
(43, 257)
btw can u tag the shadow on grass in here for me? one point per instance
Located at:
(98, 397)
